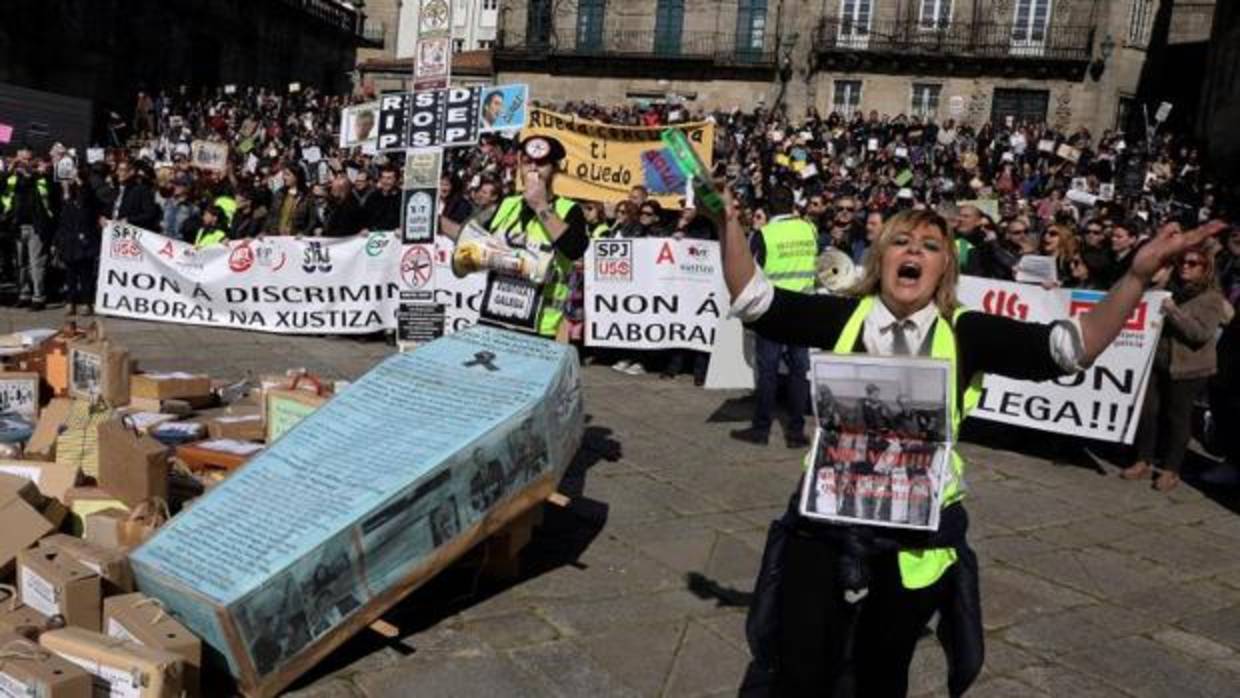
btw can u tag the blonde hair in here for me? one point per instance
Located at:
(901, 224)
(1069, 244)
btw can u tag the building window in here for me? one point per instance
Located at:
(486, 43)
(847, 97)
(1140, 22)
(855, 16)
(669, 20)
(458, 45)
(590, 24)
(1029, 24)
(750, 28)
(538, 23)
(491, 5)
(926, 100)
(935, 14)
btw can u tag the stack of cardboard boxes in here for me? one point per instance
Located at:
(113, 452)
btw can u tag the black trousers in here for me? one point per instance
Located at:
(1166, 419)
(819, 655)
(80, 281)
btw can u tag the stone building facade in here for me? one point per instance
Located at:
(1219, 114)
(107, 50)
(1072, 63)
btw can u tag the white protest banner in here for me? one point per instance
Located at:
(277, 284)
(1102, 402)
(653, 293)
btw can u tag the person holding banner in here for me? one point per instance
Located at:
(539, 221)
(839, 607)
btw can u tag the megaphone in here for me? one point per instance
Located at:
(478, 251)
(836, 270)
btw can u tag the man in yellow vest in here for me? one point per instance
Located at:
(786, 248)
(539, 221)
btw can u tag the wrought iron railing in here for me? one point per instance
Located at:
(963, 39)
(720, 47)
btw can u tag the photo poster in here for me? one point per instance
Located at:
(209, 156)
(503, 107)
(359, 125)
(882, 441)
(19, 394)
(85, 373)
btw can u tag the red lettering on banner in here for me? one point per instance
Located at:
(665, 255)
(166, 250)
(1005, 303)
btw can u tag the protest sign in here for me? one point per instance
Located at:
(603, 162)
(209, 156)
(1102, 402)
(19, 394)
(653, 293)
(882, 441)
(277, 284)
(504, 107)
(366, 499)
(358, 124)
(393, 131)
(1068, 153)
(6, 133)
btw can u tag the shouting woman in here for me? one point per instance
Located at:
(838, 609)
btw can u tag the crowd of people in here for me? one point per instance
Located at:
(1081, 203)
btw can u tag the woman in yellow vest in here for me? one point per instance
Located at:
(840, 608)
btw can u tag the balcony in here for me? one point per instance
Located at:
(619, 52)
(339, 16)
(963, 47)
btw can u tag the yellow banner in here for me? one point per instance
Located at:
(604, 161)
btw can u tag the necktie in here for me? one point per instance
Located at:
(898, 329)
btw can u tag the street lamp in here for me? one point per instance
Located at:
(1099, 65)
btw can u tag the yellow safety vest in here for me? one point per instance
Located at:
(40, 185)
(208, 238)
(555, 290)
(229, 205)
(921, 568)
(791, 253)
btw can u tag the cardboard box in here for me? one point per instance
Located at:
(84, 501)
(30, 670)
(54, 584)
(78, 441)
(133, 467)
(22, 488)
(52, 479)
(168, 386)
(42, 444)
(19, 394)
(112, 564)
(367, 499)
(105, 528)
(238, 427)
(180, 407)
(129, 669)
(284, 408)
(217, 454)
(18, 618)
(141, 619)
(21, 526)
(99, 369)
(142, 420)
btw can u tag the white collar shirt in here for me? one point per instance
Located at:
(878, 335)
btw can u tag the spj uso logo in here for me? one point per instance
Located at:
(124, 243)
(613, 260)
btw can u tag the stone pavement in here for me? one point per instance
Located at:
(1092, 586)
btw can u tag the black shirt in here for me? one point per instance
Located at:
(985, 343)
